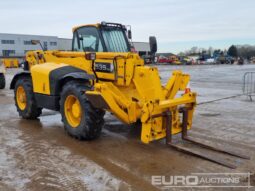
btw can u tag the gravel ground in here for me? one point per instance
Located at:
(39, 155)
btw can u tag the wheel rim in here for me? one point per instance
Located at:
(21, 98)
(73, 111)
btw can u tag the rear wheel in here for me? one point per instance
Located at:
(25, 100)
(80, 118)
(2, 81)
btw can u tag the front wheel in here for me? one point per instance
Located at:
(25, 100)
(80, 118)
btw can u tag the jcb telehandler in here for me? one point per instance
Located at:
(2, 75)
(101, 73)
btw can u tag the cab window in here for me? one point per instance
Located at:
(86, 39)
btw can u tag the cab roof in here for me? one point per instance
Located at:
(99, 24)
(87, 25)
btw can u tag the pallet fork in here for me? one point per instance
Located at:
(168, 118)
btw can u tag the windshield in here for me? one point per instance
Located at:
(115, 40)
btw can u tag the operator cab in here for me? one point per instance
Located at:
(104, 37)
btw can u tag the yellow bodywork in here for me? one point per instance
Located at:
(10, 63)
(40, 75)
(132, 92)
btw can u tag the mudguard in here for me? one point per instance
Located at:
(59, 76)
(18, 75)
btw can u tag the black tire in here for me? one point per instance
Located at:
(92, 119)
(153, 44)
(2, 81)
(31, 110)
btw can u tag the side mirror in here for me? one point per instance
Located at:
(35, 42)
(129, 34)
(153, 44)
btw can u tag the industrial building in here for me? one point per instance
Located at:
(16, 45)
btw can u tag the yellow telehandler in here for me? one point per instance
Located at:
(102, 74)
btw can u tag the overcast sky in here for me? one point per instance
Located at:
(177, 24)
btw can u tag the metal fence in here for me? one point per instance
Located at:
(249, 84)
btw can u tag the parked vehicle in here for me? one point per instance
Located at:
(84, 83)
(240, 61)
(186, 60)
(163, 59)
(10, 62)
(210, 61)
(225, 60)
(252, 60)
(174, 60)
